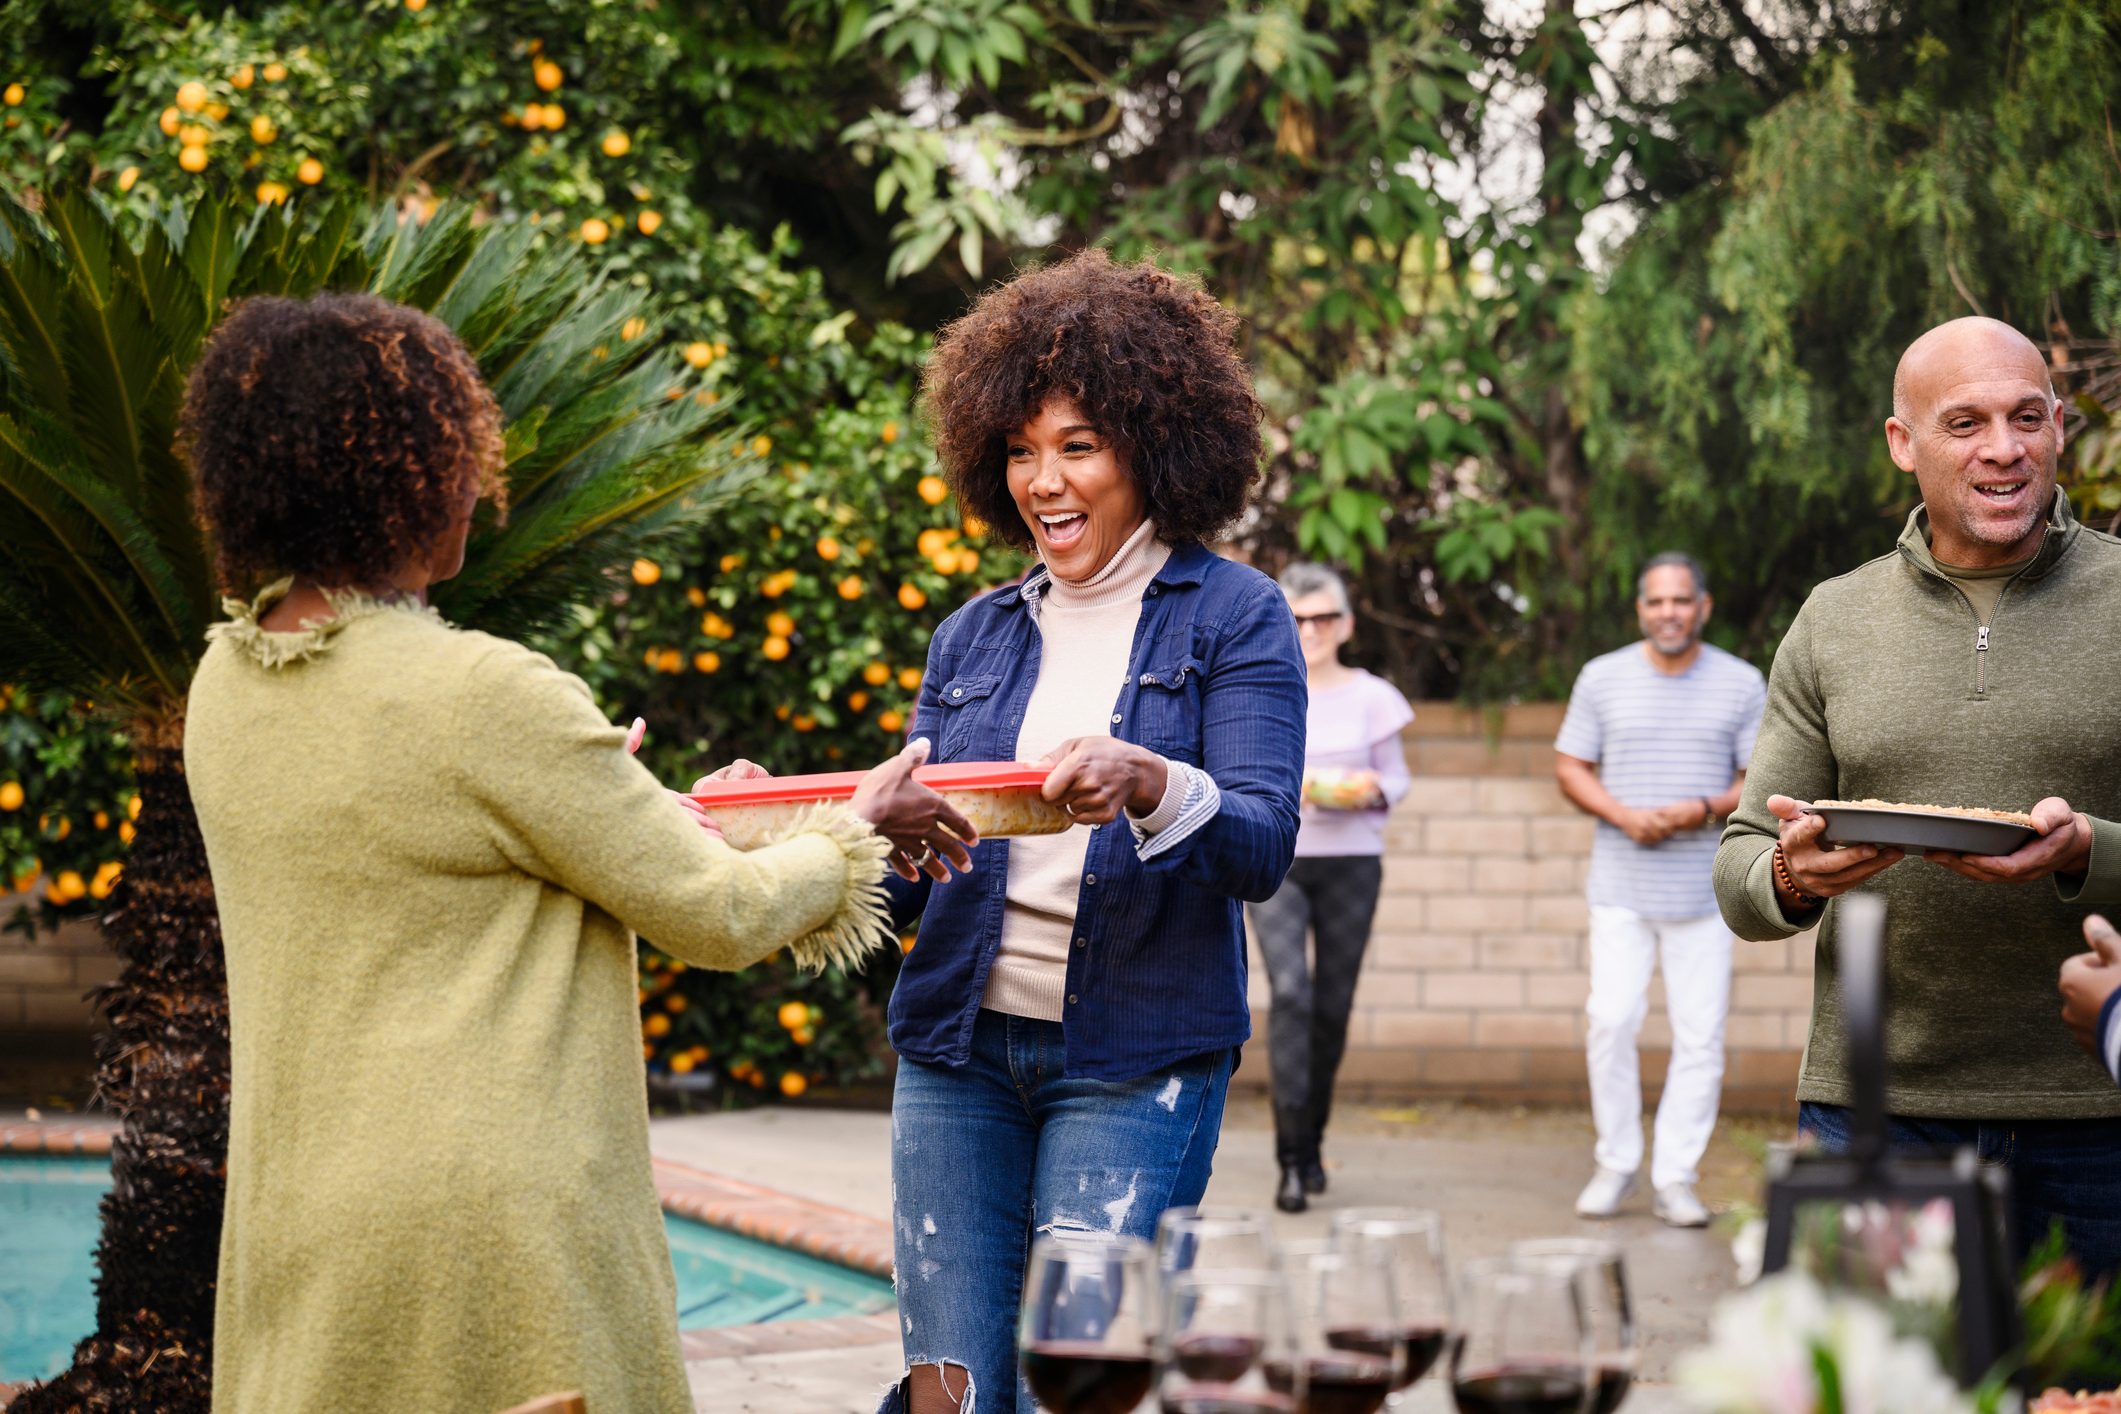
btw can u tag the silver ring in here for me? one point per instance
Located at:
(1069, 808)
(927, 853)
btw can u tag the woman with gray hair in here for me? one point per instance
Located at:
(1354, 772)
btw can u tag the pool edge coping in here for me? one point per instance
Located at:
(837, 1235)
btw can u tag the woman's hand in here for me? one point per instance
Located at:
(924, 829)
(1096, 777)
(2088, 979)
(634, 736)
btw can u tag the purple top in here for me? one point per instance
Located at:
(1354, 727)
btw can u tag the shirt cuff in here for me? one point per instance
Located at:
(2100, 884)
(2110, 1033)
(1191, 800)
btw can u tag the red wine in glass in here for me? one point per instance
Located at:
(1520, 1389)
(1613, 1382)
(1346, 1384)
(1424, 1345)
(1215, 1358)
(1084, 1377)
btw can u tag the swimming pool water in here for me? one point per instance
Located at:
(48, 1228)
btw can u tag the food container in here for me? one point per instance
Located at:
(1920, 828)
(1000, 798)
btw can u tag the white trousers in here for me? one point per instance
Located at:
(1696, 956)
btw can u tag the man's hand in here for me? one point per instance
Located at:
(924, 829)
(2064, 847)
(2088, 979)
(1096, 777)
(1817, 870)
(1646, 827)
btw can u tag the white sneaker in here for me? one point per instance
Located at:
(1603, 1195)
(1676, 1205)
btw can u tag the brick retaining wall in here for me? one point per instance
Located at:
(1475, 980)
(1474, 984)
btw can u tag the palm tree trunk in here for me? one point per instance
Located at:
(162, 1066)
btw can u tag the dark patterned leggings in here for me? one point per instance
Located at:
(1333, 898)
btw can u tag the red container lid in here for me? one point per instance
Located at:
(840, 785)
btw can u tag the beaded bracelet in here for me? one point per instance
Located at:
(1789, 883)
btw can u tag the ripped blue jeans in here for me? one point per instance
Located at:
(987, 1155)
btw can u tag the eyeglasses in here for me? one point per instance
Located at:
(1304, 621)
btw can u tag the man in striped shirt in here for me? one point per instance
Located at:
(1655, 745)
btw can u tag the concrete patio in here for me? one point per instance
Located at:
(1497, 1175)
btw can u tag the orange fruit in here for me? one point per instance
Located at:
(857, 701)
(646, 571)
(263, 130)
(533, 117)
(13, 95)
(851, 587)
(944, 562)
(192, 159)
(633, 328)
(271, 193)
(310, 172)
(933, 490)
(696, 596)
(66, 827)
(102, 820)
(967, 561)
(792, 1015)
(555, 116)
(681, 1063)
(876, 674)
(827, 548)
(761, 445)
(672, 661)
(616, 144)
(191, 97)
(715, 626)
(802, 1035)
(975, 526)
(11, 795)
(656, 1025)
(647, 1050)
(892, 721)
(730, 562)
(596, 231)
(132, 808)
(889, 433)
(905, 942)
(909, 679)
(674, 1003)
(782, 712)
(699, 353)
(793, 1084)
(171, 120)
(547, 75)
(780, 625)
(804, 723)
(758, 1079)
(910, 597)
(125, 831)
(193, 135)
(416, 5)
(243, 77)
(707, 662)
(647, 222)
(774, 648)
(68, 887)
(275, 71)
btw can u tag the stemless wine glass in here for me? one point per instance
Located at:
(1344, 1320)
(1087, 1323)
(1606, 1308)
(1224, 1239)
(1523, 1344)
(1227, 1330)
(1410, 1241)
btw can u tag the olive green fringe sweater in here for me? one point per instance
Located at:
(431, 854)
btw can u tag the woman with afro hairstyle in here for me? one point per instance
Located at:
(1069, 1015)
(430, 853)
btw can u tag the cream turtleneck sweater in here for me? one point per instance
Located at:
(1087, 635)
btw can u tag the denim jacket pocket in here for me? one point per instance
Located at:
(961, 699)
(1167, 709)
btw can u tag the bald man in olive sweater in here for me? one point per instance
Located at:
(1977, 664)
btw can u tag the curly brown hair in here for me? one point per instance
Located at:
(330, 437)
(1150, 357)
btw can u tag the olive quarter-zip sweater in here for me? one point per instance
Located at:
(1888, 687)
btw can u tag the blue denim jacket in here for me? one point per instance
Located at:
(1157, 973)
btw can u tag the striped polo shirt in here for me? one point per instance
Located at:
(1658, 738)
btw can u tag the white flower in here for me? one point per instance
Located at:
(1749, 1250)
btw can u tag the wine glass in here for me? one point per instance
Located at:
(1222, 1239)
(1606, 1307)
(1344, 1319)
(1524, 1346)
(1084, 1340)
(1227, 1330)
(1410, 1241)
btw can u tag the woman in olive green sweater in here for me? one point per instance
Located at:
(431, 853)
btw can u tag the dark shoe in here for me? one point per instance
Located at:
(1314, 1174)
(1290, 1196)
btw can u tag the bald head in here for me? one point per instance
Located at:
(1973, 349)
